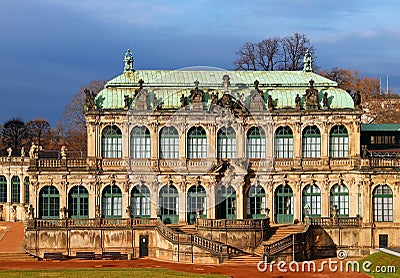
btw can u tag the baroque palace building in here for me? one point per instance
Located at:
(231, 152)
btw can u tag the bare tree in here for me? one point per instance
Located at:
(72, 126)
(38, 130)
(14, 133)
(247, 57)
(294, 48)
(268, 51)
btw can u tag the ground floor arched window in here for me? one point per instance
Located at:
(339, 200)
(284, 204)
(111, 202)
(78, 202)
(312, 201)
(196, 203)
(226, 203)
(49, 203)
(140, 201)
(168, 204)
(15, 190)
(382, 200)
(256, 202)
(3, 189)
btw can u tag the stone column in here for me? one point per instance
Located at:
(297, 205)
(325, 201)
(154, 140)
(211, 141)
(125, 140)
(324, 142)
(211, 203)
(240, 142)
(182, 208)
(269, 141)
(240, 202)
(297, 145)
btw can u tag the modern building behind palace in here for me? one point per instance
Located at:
(214, 144)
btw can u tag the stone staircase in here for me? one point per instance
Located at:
(244, 259)
(16, 257)
(278, 232)
(186, 229)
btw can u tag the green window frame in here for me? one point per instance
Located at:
(339, 196)
(169, 143)
(311, 142)
(339, 142)
(111, 202)
(226, 203)
(226, 143)
(197, 142)
(284, 142)
(78, 202)
(382, 201)
(3, 189)
(49, 203)
(15, 190)
(196, 203)
(312, 200)
(255, 142)
(140, 201)
(169, 204)
(284, 204)
(111, 142)
(140, 142)
(256, 202)
(26, 184)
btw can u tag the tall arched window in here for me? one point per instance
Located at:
(284, 142)
(339, 141)
(382, 200)
(140, 142)
(169, 142)
(168, 204)
(311, 142)
(255, 142)
(284, 204)
(226, 143)
(26, 184)
(196, 203)
(226, 203)
(197, 142)
(78, 202)
(140, 201)
(49, 203)
(312, 200)
(111, 202)
(3, 189)
(15, 190)
(256, 203)
(111, 142)
(340, 197)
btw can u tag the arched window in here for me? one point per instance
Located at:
(312, 201)
(111, 142)
(15, 190)
(140, 201)
(169, 142)
(311, 142)
(226, 203)
(168, 204)
(284, 205)
(197, 142)
(340, 198)
(339, 141)
(256, 203)
(382, 200)
(26, 184)
(255, 142)
(111, 202)
(226, 143)
(78, 202)
(140, 142)
(284, 142)
(196, 203)
(49, 203)
(3, 189)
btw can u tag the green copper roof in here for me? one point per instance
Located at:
(168, 86)
(380, 127)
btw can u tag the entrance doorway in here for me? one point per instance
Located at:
(383, 241)
(284, 204)
(144, 246)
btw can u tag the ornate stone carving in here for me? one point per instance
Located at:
(90, 104)
(128, 60)
(311, 96)
(357, 100)
(307, 62)
(196, 97)
(256, 98)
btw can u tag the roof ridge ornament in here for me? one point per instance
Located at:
(307, 61)
(128, 59)
(226, 82)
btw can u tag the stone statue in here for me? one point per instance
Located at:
(9, 151)
(64, 212)
(297, 102)
(256, 98)
(214, 100)
(63, 152)
(127, 102)
(270, 103)
(14, 213)
(335, 215)
(33, 151)
(129, 211)
(1, 212)
(183, 101)
(196, 97)
(31, 212)
(307, 62)
(226, 82)
(325, 100)
(89, 101)
(22, 152)
(311, 97)
(128, 59)
(357, 100)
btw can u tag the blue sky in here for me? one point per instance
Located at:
(50, 48)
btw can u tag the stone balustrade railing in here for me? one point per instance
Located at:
(312, 162)
(91, 223)
(331, 221)
(224, 224)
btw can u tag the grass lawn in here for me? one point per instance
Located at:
(380, 261)
(106, 273)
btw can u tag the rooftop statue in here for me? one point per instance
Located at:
(128, 61)
(311, 97)
(89, 101)
(357, 100)
(307, 62)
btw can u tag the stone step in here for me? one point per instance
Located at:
(244, 259)
(12, 257)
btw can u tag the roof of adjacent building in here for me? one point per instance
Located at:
(169, 85)
(380, 127)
